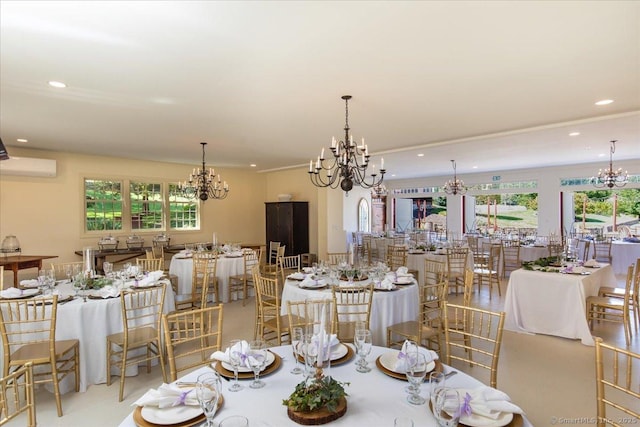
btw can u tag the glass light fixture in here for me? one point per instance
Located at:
(454, 186)
(204, 184)
(608, 177)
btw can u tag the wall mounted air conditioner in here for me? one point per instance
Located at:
(25, 166)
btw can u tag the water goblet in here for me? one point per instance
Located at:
(208, 393)
(446, 407)
(436, 382)
(235, 421)
(257, 360)
(362, 341)
(410, 348)
(68, 271)
(309, 352)
(235, 359)
(402, 422)
(296, 338)
(350, 275)
(416, 371)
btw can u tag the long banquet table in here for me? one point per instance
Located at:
(90, 322)
(182, 267)
(387, 307)
(553, 303)
(375, 399)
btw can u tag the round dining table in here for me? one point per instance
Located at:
(228, 265)
(387, 307)
(374, 398)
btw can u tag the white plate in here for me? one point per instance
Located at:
(338, 351)
(170, 415)
(389, 359)
(311, 285)
(475, 420)
(270, 359)
(29, 283)
(26, 293)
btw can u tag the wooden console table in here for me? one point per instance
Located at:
(21, 262)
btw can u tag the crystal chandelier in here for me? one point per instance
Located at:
(454, 186)
(609, 177)
(204, 184)
(349, 163)
(379, 191)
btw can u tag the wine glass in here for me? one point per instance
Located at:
(235, 359)
(296, 339)
(68, 271)
(257, 360)
(208, 393)
(410, 348)
(362, 341)
(446, 407)
(107, 267)
(309, 353)
(235, 421)
(350, 275)
(416, 371)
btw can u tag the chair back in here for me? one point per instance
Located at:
(142, 310)
(191, 337)
(203, 278)
(602, 251)
(268, 300)
(351, 304)
(434, 271)
(288, 265)
(468, 287)
(456, 262)
(273, 252)
(511, 255)
(337, 258)
(617, 389)
(396, 256)
(555, 248)
(17, 396)
(432, 299)
(305, 314)
(61, 268)
(150, 264)
(474, 336)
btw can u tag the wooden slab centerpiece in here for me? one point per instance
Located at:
(302, 409)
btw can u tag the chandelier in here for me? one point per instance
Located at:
(609, 177)
(349, 163)
(379, 191)
(204, 184)
(454, 186)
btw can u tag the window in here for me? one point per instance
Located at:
(363, 216)
(145, 210)
(146, 206)
(103, 204)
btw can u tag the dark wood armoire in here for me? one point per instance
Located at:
(288, 223)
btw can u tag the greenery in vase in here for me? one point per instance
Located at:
(320, 393)
(98, 282)
(541, 264)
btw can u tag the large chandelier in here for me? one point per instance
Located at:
(609, 177)
(204, 184)
(349, 163)
(454, 186)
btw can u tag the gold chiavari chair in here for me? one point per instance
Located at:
(478, 341)
(303, 314)
(510, 256)
(150, 264)
(617, 388)
(456, 264)
(555, 248)
(271, 325)
(28, 329)
(16, 395)
(602, 251)
(616, 310)
(241, 282)
(288, 265)
(141, 319)
(351, 305)
(191, 337)
(490, 272)
(336, 258)
(396, 256)
(634, 297)
(202, 278)
(61, 268)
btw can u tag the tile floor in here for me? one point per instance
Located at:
(551, 378)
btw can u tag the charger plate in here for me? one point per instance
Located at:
(344, 357)
(139, 420)
(277, 361)
(508, 420)
(401, 376)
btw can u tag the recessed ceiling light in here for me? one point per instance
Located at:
(420, 155)
(22, 140)
(393, 174)
(604, 102)
(54, 83)
(601, 155)
(253, 165)
(474, 167)
(574, 134)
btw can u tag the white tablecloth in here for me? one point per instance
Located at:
(387, 308)
(623, 254)
(532, 253)
(553, 303)
(416, 262)
(183, 268)
(91, 322)
(375, 399)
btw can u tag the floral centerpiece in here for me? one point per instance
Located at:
(97, 282)
(317, 401)
(542, 264)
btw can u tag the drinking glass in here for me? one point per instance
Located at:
(235, 421)
(310, 355)
(235, 359)
(416, 371)
(107, 267)
(296, 338)
(410, 348)
(446, 407)
(402, 422)
(257, 360)
(436, 382)
(208, 393)
(362, 341)
(68, 270)
(350, 275)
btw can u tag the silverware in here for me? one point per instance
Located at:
(450, 374)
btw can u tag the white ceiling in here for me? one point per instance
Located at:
(495, 85)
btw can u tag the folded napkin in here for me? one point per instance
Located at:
(149, 279)
(573, 270)
(307, 270)
(241, 348)
(168, 395)
(308, 282)
(107, 292)
(591, 263)
(328, 342)
(33, 283)
(11, 293)
(385, 284)
(298, 275)
(405, 354)
(486, 402)
(404, 279)
(402, 271)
